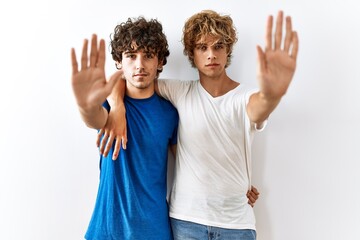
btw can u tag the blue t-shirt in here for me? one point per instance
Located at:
(131, 201)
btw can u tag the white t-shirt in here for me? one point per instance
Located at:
(213, 163)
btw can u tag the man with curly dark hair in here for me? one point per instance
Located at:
(131, 201)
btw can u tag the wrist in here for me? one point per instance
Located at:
(268, 99)
(89, 109)
(118, 107)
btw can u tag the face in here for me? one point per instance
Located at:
(210, 56)
(140, 68)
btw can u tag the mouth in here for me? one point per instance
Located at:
(212, 65)
(140, 75)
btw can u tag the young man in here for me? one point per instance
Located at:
(131, 201)
(218, 119)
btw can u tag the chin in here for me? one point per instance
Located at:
(142, 86)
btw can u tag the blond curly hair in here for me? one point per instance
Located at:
(208, 23)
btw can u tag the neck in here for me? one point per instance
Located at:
(219, 85)
(139, 93)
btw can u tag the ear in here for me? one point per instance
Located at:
(160, 66)
(228, 50)
(191, 55)
(118, 65)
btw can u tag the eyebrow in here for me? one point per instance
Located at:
(218, 42)
(200, 44)
(127, 52)
(137, 50)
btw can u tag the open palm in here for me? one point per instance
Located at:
(89, 84)
(277, 63)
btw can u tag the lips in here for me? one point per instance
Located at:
(212, 65)
(140, 75)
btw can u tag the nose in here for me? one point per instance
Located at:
(211, 55)
(139, 64)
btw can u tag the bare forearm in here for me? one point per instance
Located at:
(115, 127)
(259, 107)
(116, 101)
(94, 118)
(116, 98)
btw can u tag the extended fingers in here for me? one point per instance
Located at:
(93, 51)
(98, 139)
(103, 142)
(109, 144)
(278, 30)
(101, 55)
(288, 35)
(124, 141)
(120, 141)
(290, 40)
(295, 43)
(97, 55)
(84, 56)
(116, 148)
(124, 137)
(74, 62)
(268, 40)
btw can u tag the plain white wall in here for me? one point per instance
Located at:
(305, 163)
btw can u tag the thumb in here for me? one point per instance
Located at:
(260, 59)
(112, 81)
(117, 75)
(261, 63)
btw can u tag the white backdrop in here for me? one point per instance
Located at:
(305, 163)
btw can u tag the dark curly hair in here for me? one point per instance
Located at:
(147, 35)
(208, 22)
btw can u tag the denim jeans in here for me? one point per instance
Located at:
(183, 230)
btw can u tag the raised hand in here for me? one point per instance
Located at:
(277, 64)
(89, 84)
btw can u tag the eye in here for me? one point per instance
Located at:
(219, 46)
(131, 56)
(149, 55)
(201, 47)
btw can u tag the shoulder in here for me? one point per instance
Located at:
(167, 108)
(164, 102)
(175, 83)
(244, 92)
